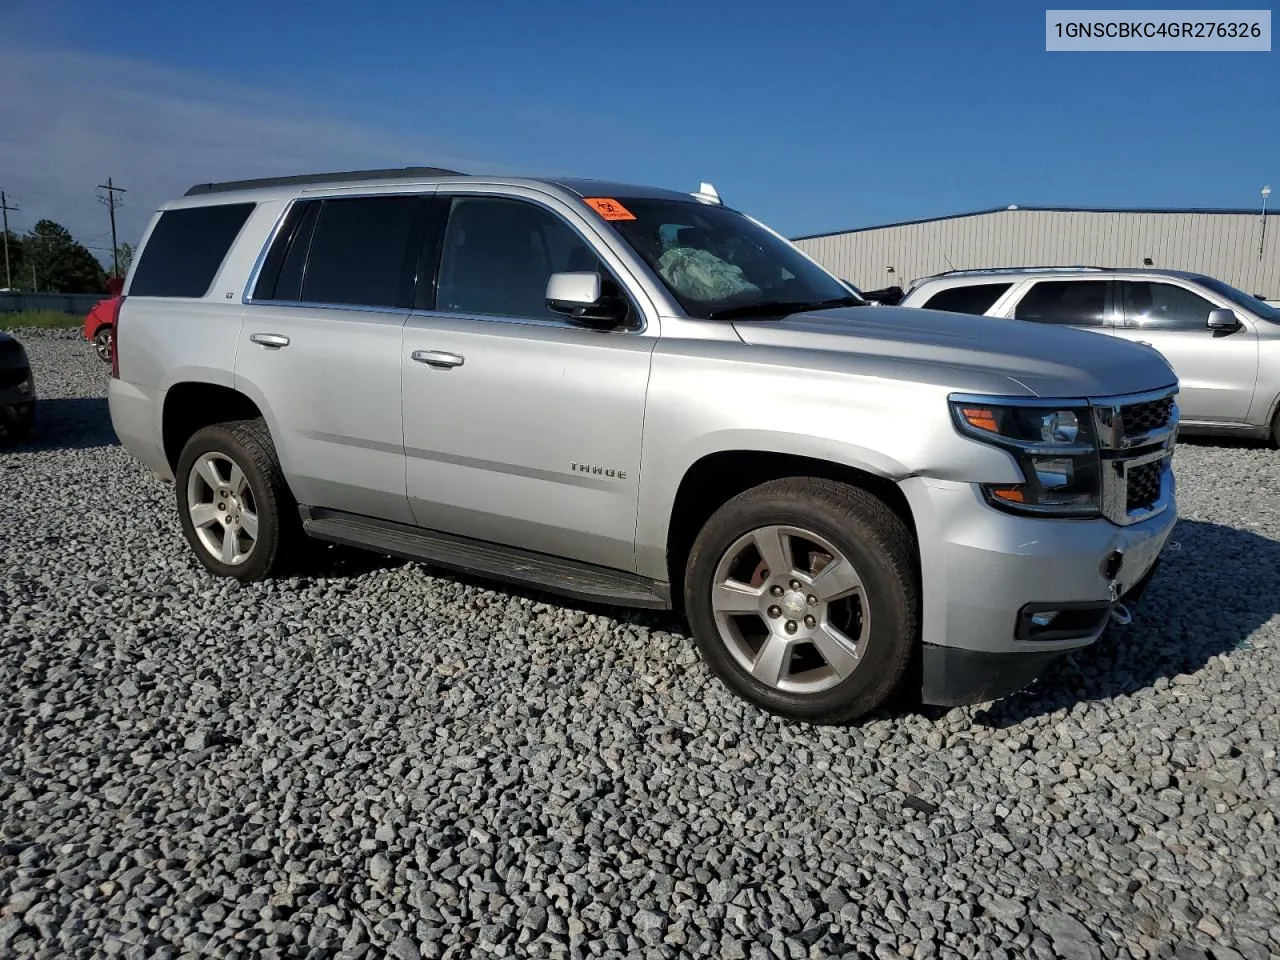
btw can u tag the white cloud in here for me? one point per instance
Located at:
(68, 120)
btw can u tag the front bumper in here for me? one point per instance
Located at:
(984, 572)
(954, 676)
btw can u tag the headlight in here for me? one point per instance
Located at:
(1054, 446)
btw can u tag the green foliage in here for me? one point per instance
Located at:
(38, 319)
(17, 265)
(125, 255)
(62, 265)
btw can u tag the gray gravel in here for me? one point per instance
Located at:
(380, 761)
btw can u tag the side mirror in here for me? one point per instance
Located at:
(1222, 320)
(580, 297)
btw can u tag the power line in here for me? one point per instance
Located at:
(5, 208)
(111, 202)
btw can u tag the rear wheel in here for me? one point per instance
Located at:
(233, 502)
(1275, 431)
(803, 597)
(102, 343)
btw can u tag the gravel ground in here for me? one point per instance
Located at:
(380, 761)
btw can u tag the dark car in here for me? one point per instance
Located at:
(17, 391)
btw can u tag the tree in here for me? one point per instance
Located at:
(125, 255)
(18, 268)
(62, 265)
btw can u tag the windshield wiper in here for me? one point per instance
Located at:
(777, 308)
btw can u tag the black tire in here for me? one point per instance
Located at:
(877, 543)
(1275, 432)
(102, 343)
(18, 430)
(247, 443)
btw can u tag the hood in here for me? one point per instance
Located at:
(967, 352)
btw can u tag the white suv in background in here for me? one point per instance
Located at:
(1223, 343)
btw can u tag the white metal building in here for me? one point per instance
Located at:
(1222, 243)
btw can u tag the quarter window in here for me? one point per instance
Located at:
(186, 249)
(1076, 303)
(976, 298)
(498, 255)
(1162, 306)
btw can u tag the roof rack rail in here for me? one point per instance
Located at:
(976, 271)
(345, 176)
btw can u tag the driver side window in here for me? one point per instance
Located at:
(499, 253)
(1163, 306)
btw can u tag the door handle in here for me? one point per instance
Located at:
(274, 340)
(437, 358)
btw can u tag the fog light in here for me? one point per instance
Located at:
(1043, 618)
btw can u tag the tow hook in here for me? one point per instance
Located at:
(1121, 614)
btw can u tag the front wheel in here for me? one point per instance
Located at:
(233, 502)
(803, 597)
(102, 344)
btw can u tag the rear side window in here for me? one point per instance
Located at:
(1077, 303)
(357, 251)
(975, 298)
(362, 252)
(186, 250)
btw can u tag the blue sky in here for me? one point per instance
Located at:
(811, 115)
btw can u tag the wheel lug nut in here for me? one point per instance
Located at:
(776, 590)
(775, 612)
(791, 626)
(795, 584)
(810, 622)
(813, 601)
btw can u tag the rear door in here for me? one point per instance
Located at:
(1216, 369)
(521, 427)
(320, 347)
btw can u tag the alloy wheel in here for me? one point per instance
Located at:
(223, 511)
(791, 609)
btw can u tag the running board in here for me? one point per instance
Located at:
(581, 581)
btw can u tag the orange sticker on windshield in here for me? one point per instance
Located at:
(609, 209)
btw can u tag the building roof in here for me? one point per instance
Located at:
(1017, 208)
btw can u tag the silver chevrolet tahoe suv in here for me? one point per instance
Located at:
(644, 398)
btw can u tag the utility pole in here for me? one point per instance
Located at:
(5, 208)
(111, 202)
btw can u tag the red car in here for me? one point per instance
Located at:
(100, 324)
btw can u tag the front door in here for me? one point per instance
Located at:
(521, 427)
(1216, 369)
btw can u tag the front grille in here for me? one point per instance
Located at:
(1144, 486)
(1138, 419)
(12, 376)
(1135, 441)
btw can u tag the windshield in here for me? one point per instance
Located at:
(1264, 310)
(718, 263)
